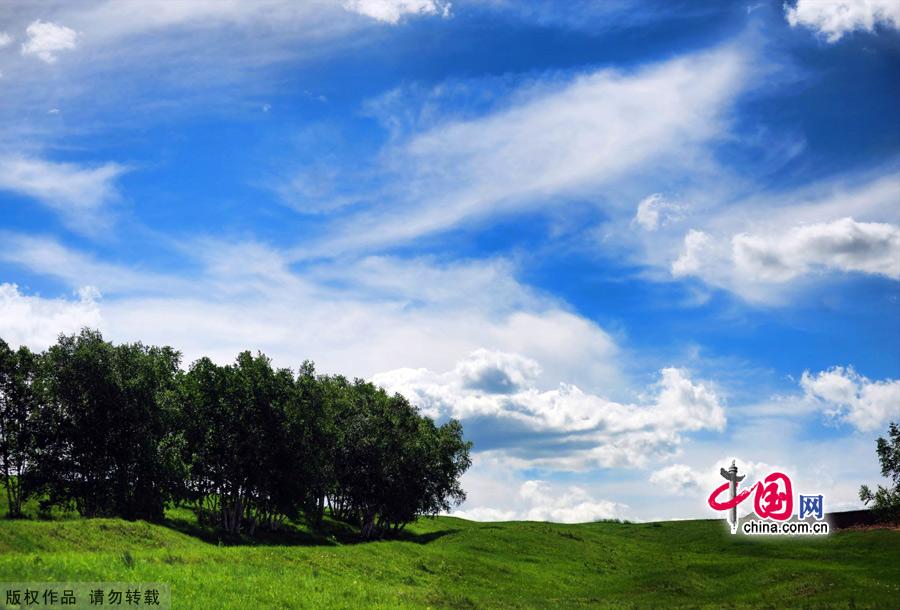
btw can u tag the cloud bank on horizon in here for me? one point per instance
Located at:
(619, 264)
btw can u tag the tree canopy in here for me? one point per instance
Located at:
(122, 430)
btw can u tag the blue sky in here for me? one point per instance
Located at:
(624, 242)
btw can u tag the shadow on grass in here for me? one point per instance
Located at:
(423, 538)
(330, 533)
(288, 536)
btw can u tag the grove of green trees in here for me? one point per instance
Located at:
(122, 430)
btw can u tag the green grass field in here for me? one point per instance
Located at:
(452, 563)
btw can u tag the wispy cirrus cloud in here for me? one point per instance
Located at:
(392, 11)
(554, 141)
(108, 62)
(79, 193)
(47, 257)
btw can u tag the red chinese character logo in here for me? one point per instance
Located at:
(774, 497)
(727, 504)
(772, 502)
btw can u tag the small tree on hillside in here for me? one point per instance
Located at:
(886, 500)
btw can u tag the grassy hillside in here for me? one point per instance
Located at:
(448, 562)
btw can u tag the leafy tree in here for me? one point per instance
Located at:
(311, 434)
(105, 442)
(426, 464)
(18, 403)
(448, 461)
(391, 464)
(886, 500)
(206, 423)
(244, 464)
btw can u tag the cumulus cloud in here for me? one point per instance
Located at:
(46, 39)
(584, 429)
(843, 245)
(496, 372)
(76, 191)
(765, 247)
(850, 397)
(541, 501)
(676, 478)
(834, 18)
(391, 11)
(5, 39)
(778, 256)
(36, 322)
(655, 211)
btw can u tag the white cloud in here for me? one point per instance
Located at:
(46, 39)
(391, 11)
(101, 21)
(655, 210)
(694, 256)
(145, 60)
(77, 192)
(684, 480)
(583, 429)
(553, 140)
(487, 513)
(833, 466)
(398, 313)
(47, 257)
(676, 478)
(5, 39)
(766, 247)
(519, 343)
(496, 372)
(866, 404)
(541, 501)
(779, 256)
(843, 245)
(834, 18)
(36, 321)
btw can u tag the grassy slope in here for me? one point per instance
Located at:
(449, 562)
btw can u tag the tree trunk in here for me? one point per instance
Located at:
(11, 502)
